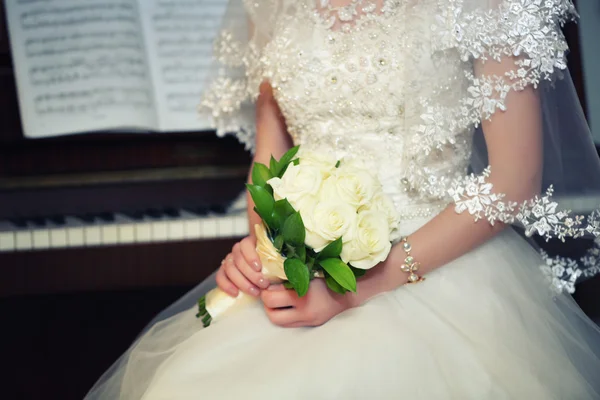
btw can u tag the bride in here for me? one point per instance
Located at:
(428, 93)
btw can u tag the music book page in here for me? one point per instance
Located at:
(111, 65)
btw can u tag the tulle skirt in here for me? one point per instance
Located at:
(485, 326)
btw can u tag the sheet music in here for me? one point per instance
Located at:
(179, 36)
(80, 66)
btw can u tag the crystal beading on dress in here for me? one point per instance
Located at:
(400, 75)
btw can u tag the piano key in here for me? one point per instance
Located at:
(7, 241)
(75, 232)
(38, 221)
(171, 212)
(23, 240)
(18, 222)
(106, 217)
(135, 215)
(92, 235)
(153, 213)
(143, 232)
(58, 220)
(41, 239)
(58, 238)
(160, 231)
(87, 218)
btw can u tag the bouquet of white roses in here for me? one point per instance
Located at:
(321, 218)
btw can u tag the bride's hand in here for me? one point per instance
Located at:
(319, 305)
(240, 270)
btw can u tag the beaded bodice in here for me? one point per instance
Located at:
(352, 91)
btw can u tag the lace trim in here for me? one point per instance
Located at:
(228, 101)
(564, 273)
(539, 215)
(526, 30)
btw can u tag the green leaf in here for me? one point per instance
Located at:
(274, 166)
(357, 271)
(340, 272)
(263, 202)
(333, 285)
(282, 209)
(260, 175)
(287, 157)
(278, 242)
(332, 250)
(296, 161)
(297, 273)
(290, 251)
(293, 229)
(301, 253)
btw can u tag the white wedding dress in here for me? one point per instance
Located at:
(487, 325)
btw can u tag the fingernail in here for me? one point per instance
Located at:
(263, 283)
(256, 266)
(254, 291)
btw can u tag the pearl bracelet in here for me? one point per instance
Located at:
(410, 265)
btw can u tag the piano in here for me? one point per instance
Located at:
(105, 211)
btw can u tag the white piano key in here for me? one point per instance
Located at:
(210, 228)
(7, 241)
(160, 231)
(41, 239)
(23, 240)
(241, 225)
(225, 226)
(193, 229)
(126, 233)
(176, 230)
(92, 235)
(110, 234)
(58, 238)
(76, 237)
(143, 232)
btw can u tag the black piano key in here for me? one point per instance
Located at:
(18, 222)
(153, 213)
(135, 215)
(87, 218)
(106, 217)
(38, 221)
(57, 220)
(200, 211)
(218, 209)
(172, 212)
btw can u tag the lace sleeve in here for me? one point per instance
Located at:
(237, 71)
(527, 34)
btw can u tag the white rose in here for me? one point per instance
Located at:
(371, 244)
(383, 203)
(328, 222)
(297, 181)
(324, 161)
(353, 187)
(305, 206)
(271, 260)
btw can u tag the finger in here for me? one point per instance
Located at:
(296, 325)
(283, 317)
(256, 278)
(225, 284)
(279, 299)
(277, 287)
(239, 280)
(248, 248)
